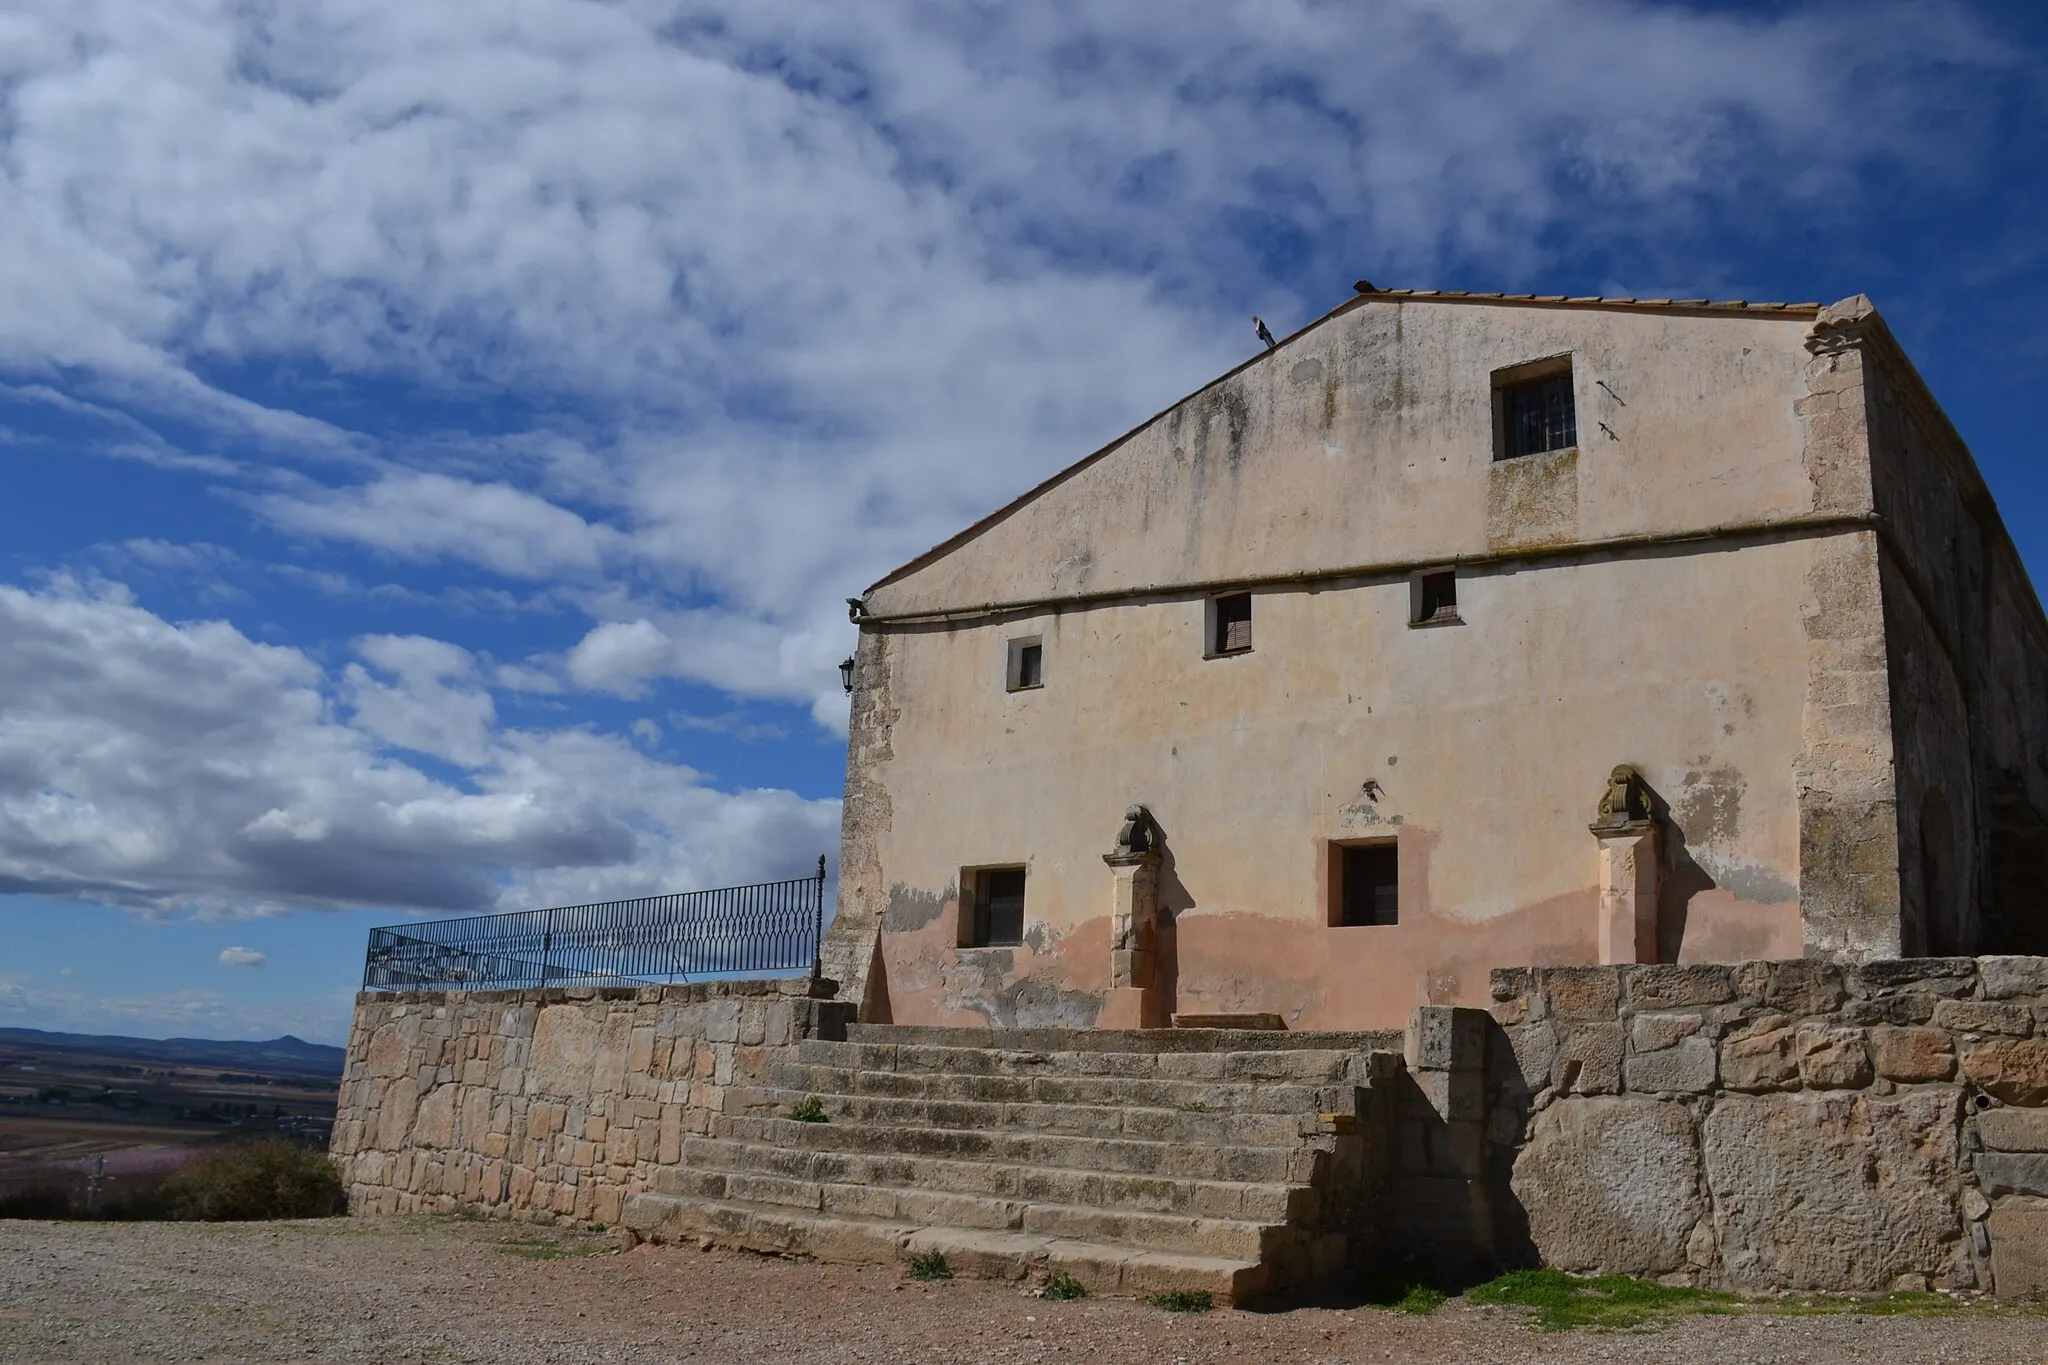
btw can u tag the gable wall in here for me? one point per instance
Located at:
(1369, 440)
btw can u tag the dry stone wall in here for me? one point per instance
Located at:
(550, 1104)
(1776, 1125)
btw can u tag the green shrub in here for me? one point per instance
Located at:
(810, 1109)
(1403, 1291)
(1183, 1301)
(43, 1201)
(268, 1179)
(1061, 1285)
(930, 1265)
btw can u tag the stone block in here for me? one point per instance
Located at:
(2014, 1070)
(1762, 1056)
(1800, 986)
(2014, 1130)
(2012, 1173)
(1582, 993)
(1833, 1058)
(1913, 1054)
(2006, 977)
(1983, 1016)
(1445, 1038)
(1945, 976)
(1655, 1032)
(1453, 1096)
(1833, 1191)
(1589, 1059)
(2018, 1233)
(1904, 1009)
(1687, 1069)
(1611, 1184)
(1457, 1149)
(1665, 986)
(1524, 1065)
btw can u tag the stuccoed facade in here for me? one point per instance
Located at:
(1751, 670)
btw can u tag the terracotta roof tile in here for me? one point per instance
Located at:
(1594, 300)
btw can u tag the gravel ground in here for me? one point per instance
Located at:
(446, 1291)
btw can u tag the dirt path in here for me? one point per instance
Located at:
(443, 1291)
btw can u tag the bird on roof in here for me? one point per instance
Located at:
(1265, 332)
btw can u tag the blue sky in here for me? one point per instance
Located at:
(438, 439)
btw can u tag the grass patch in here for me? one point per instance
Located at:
(810, 1109)
(1183, 1301)
(1061, 1285)
(1561, 1302)
(1403, 1291)
(1192, 1107)
(572, 1247)
(930, 1265)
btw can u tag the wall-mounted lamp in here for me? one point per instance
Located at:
(846, 675)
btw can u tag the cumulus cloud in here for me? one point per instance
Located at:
(729, 308)
(822, 283)
(243, 957)
(161, 766)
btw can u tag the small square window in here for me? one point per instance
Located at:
(1230, 624)
(1534, 410)
(998, 906)
(1433, 598)
(1025, 666)
(1368, 889)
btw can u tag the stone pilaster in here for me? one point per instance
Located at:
(1628, 892)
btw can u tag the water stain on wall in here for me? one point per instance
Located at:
(1533, 500)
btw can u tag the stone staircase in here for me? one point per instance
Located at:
(1135, 1162)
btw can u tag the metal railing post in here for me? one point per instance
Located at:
(818, 924)
(547, 944)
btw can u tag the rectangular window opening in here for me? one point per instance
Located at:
(1025, 667)
(1230, 624)
(1535, 412)
(1368, 884)
(998, 906)
(1433, 599)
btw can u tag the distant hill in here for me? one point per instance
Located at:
(280, 1056)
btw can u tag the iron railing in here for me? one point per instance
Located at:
(772, 928)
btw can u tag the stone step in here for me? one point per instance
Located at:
(1129, 1041)
(983, 1253)
(1308, 1066)
(1152, 1231)
(1241, 1097)
(1075, 1120)
(1237, 1200)
(1299, 1164)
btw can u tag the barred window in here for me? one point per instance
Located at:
(1537, 415)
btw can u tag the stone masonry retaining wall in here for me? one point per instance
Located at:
(1795, 1125)
(550, 1104)
(1799, 1125)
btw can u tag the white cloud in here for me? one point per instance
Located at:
(826, 282)
(161, 766)
(243, 957)
(430, 516)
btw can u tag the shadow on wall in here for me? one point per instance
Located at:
(1683, 878)
(1174, 898)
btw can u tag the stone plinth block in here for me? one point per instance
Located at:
(1611, 1184)
(1834, 1191)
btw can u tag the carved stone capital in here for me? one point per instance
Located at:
(1843, 326)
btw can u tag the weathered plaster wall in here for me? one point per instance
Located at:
(1369, 439)
(1969, 667)
(1489, 743)
(549, 1104)
(1770, 1125)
